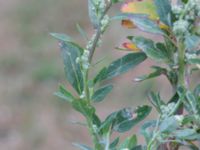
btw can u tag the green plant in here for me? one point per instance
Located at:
(178, 122)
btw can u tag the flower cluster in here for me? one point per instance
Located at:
(84, 60)
(185, 15)
(179, 119)
(181, 27)
(166, 109)
(104, 23)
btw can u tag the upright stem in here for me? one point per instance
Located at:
(181, 63)
(96, 138)
(98, 32)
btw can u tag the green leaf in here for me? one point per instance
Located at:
(70, 52)
(163, 10)
(120, 66)
(114, 143)
(146, 25)
(82, 32)
(101, 75)
(169, 124)
(193, 61)
(141, 21)
(83, 107)
(82, 146)
(123, 125)
(158, 71)
(184, 1)
(138, 147)
(101, 93)
(123, 16)
(192, 101)
(186, 134)
(64, 94)
(166, 51)
(148, 47)
(156, 100)
(61, 37)
(197, 91)
(116, 1)
(191, 42)
(129, 143)
(147, 130)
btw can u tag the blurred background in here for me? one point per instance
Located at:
(31, 118)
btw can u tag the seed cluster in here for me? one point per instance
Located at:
(166, 109)
(185, 15)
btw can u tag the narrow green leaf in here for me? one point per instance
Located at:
(163, 10)
(82, 32)
(193, 61)
(64, 94)
(147, 129)
(125, 63)
(138, 147)
(148, 47)
(192, 41)
(82, 107)
(127, 123)
(192, 101)
(186, 134)
(156, 100)
(129, 143)
(101, 75)
(197, 91)
(120, 66)
(70, 52)
(114, 143)
(158, 71)
(101, 93)
(169, 124)
(166, 51)
(61, 37)
(147, 25)
(116, 1)
(122, 16)
(141, 21)
(82, 146)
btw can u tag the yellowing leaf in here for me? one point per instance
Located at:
(131, 47)
(141, 7)
(163, 26)
(128, 24)
(146, 7)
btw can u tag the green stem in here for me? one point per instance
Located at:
(98, 32)
(96, 138)
(181, 63)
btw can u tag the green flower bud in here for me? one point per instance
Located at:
(181, 27)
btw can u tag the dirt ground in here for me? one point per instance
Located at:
(31, 118)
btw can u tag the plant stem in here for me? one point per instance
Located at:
(98, 32)
(95, 136)
(181, 63)
(91, 126)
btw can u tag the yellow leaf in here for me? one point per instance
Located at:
(128, 24)
(141, 7)
(131, 47)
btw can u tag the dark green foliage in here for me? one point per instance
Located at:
(70, 52)
(149, 48)
(120, 66)
(101, 93)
